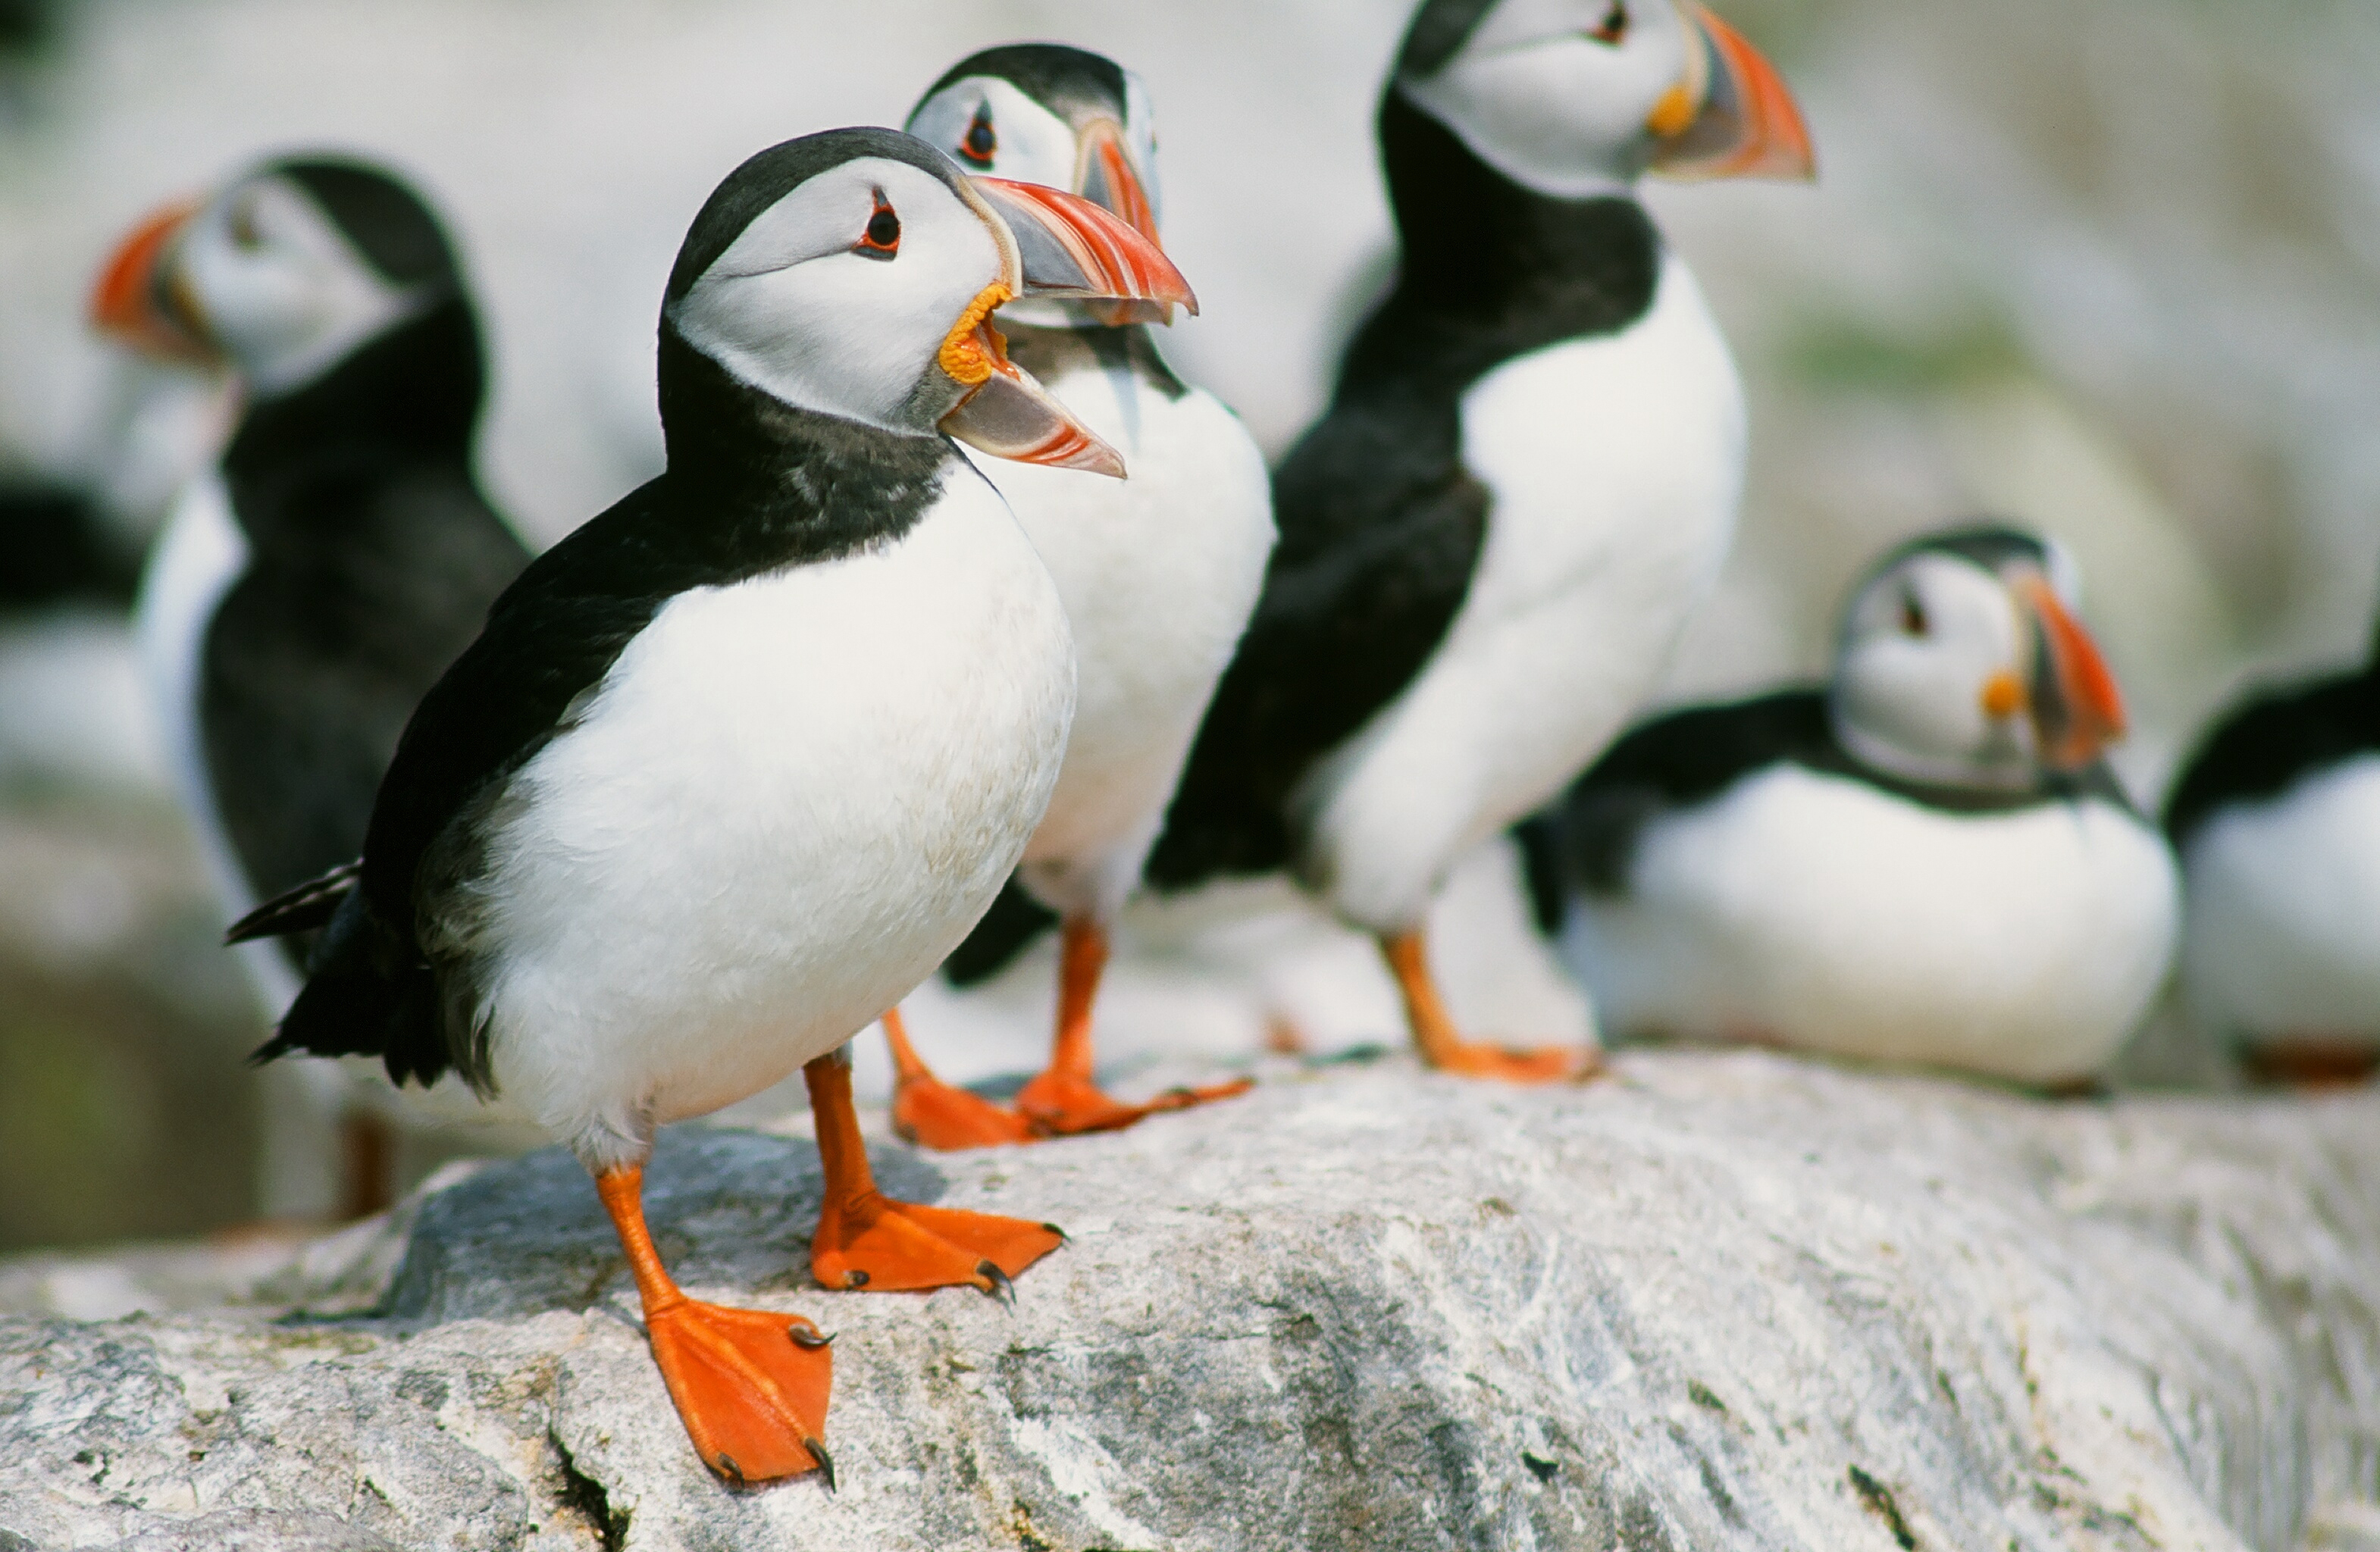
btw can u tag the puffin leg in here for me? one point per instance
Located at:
(1442, 1048)
(934, 1114)
(1061, 1099)
(2313, 1061)
(368, 1150)
(867, 1240)
(750, 1385)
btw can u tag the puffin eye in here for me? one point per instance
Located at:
(882, 238)
(1912, 615)
(980, 141)
(245, 233)
(1613, 28)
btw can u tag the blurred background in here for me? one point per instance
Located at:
(2112, 270)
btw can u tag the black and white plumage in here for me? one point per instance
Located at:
(2276, 819)
(311, 585)
(1926, 861)
(1158, 571)
(1528, 475)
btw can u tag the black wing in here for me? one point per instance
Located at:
(1381, 530)
(2275, 738)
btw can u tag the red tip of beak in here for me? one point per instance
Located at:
(1109, 178)
(125, 302)
(2093, 707)
(1749, 126)
(1068, 246)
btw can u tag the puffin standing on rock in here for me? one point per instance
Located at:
(1158, 571)
(311, 588)
(1527, 480)
(737, 763)
(2277, 821)
(1926, 861)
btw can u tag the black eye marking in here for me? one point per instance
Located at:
(1912, 616)
(980, 141)
(1613, 28)
(882, 238)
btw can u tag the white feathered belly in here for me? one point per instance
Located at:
(790, 799)
(1821, 913)
(1616, 466)
(1158, 573)
(2283, 936)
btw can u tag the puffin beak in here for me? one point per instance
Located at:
(1052, 244)
(1730, 115)
(2077, 711)
(132, 300)
(1105, 175)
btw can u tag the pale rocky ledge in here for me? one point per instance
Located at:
(1717, 1301)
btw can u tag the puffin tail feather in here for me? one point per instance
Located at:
(309, 906)
(366, 994)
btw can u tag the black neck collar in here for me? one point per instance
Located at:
(416, 389)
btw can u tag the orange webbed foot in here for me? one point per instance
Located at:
(1543, 1065)
(750, 1385)
(885, 1246)
(2313, 1064)
(1057, 1104)
(934, 1114)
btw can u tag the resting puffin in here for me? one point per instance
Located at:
(309, 587)
(1158, 571)
(738, 762)
(1527, 479)
(2277, 821)
(1926, 861)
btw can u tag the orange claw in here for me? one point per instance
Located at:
(865, 1239)
(1444, 1049)
(752, 1386)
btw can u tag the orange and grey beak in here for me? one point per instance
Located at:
(134, 300)
(1057, 245)
(2077, 711)
(1730, 115)
(1105, 175)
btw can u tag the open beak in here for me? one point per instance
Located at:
(1730, 115)
(1058, 245)
(132, 300)
(2077, 711)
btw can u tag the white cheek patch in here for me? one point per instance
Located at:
(830, 329)
(1033, 145)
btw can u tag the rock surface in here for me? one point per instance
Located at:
(1718, 1301)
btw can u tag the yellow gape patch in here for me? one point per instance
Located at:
(965, 355)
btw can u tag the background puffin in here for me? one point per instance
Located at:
(1925, 861)
(740, 760)
(2276, 819)
(313, 585)
(1158, 571)
(1528, 478)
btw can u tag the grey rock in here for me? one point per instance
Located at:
(1720, 1302)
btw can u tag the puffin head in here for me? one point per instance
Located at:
(1577, 98)
(1059, 117)
(1960, 662)
(855, 273)
(280, 274)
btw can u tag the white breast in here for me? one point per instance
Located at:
(1616, 466)
(1158, 571)
(2283, 939)
(197, 561)
(789, 800)
(1817, 912)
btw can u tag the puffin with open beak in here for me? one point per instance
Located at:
(1527, 480)
(1926, 861)
(309, 587)
(737, 763)
(1158, 573)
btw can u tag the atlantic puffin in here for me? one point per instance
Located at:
(738, 762)
(1526, 481)
(2276, 819)
(1158, 571)
(313, 585)
(1926, 861)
